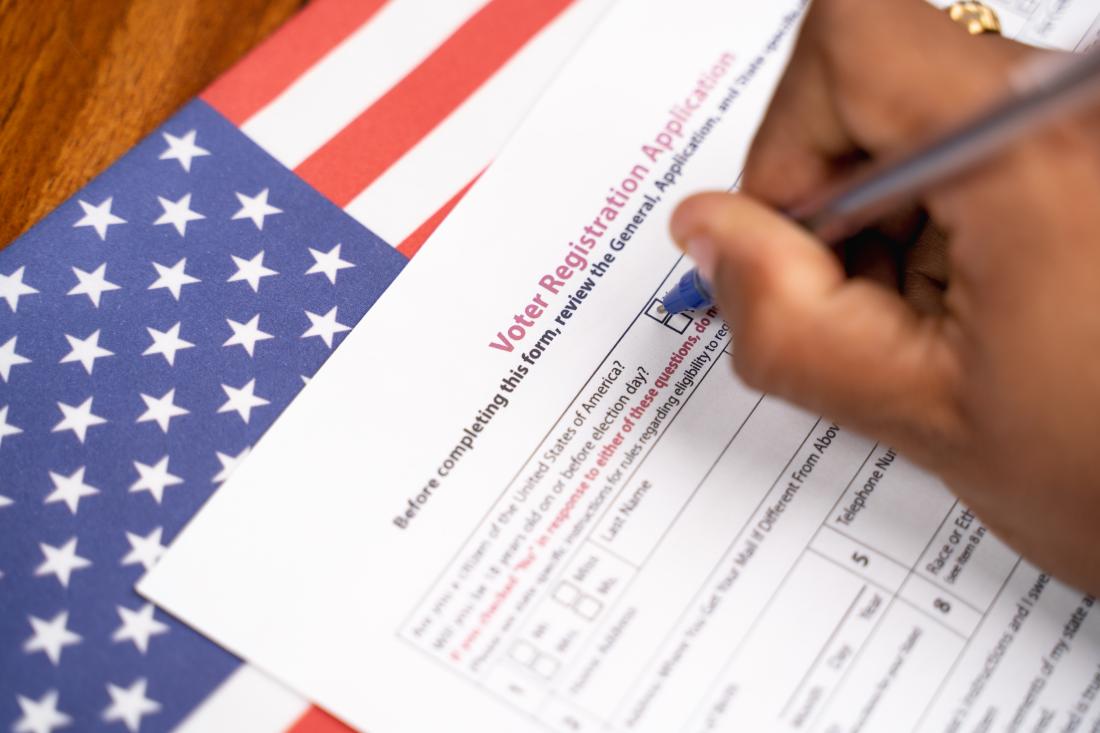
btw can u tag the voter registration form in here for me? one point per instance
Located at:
(520, 497)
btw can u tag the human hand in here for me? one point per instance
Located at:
(978, 358)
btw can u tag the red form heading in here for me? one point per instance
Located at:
(578, 251)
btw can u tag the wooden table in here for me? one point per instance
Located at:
(82, 80)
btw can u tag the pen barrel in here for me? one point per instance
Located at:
(1048, 86)
(691, 291)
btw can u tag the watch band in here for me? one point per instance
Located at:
(976, 17)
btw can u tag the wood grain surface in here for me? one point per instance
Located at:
(82, 80)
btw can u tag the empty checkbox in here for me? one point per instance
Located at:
(566, 594)
(588, 607)
(655, 311)
(524, 653)
(546, 666)
(679, 322)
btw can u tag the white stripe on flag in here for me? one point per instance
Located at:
(317, 106)
(334, 91)
(448, 158)
(247, 702)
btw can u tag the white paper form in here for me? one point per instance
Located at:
(519, 498)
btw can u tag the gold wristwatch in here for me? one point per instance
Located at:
(976, 17)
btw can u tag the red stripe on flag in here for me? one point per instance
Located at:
(413, 242)
(316, 720)
(377, 138)
(263, 74)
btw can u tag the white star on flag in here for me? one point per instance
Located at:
(137, 626)
(182, 149)
(61, 561)
(70, 489)
(98, 217)
(161, 409)
(173, 278)
(5, 501)
(86, 351)
(9, 358)
(328, 263)
(40, 716)
(178, 213)
(166, 343)
(93, 284)
(51, 637)
(129, 705)
(242, 400)
(6, 428)
(246, 334)
(251, 270)
(229, 464)
(77, 418)
(255, 208)
(154, 479)
(324, 327)
(144, 551)
(12, 288)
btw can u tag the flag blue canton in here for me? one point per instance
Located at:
(151, 329)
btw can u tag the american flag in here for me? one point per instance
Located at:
(154, 325)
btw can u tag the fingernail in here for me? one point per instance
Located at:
(701, 250)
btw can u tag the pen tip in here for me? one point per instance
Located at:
(661, 309)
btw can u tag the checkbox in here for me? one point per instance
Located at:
(654, 311)
(588, 607)
(524, 653)
(566, 594)
(546, 666)
(679, 322)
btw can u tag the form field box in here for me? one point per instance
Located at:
(567, 594)
(967, 559)
(945, 607)
(524, 653)
(654, 311)
(588, 607)
(510, 684)
(859, 559)
(528, 656)
(545, 666)
(893, 507)
(677, 322)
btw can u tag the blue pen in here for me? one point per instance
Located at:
(1041, 90)
(689, 293)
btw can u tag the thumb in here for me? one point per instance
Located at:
(847, 348)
